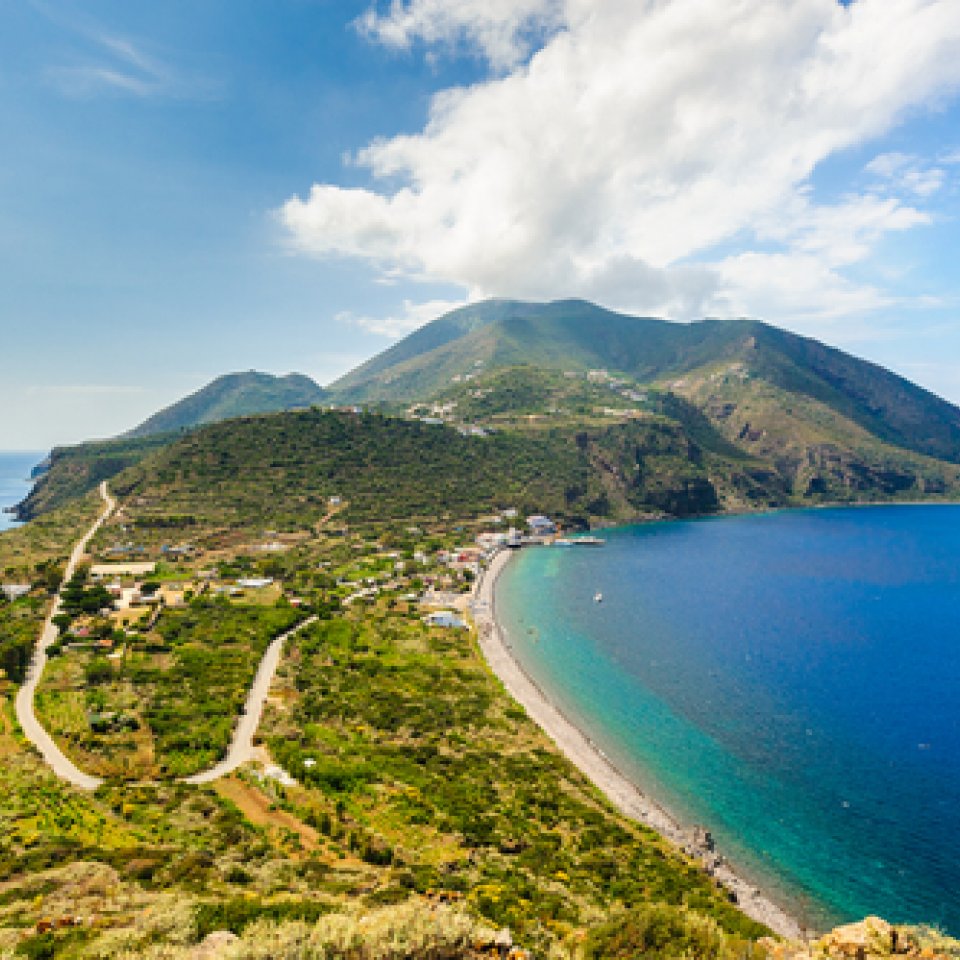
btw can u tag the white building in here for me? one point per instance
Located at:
(13, 591)
(541, 526)
(444, 618)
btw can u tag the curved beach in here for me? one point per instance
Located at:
(591, 761)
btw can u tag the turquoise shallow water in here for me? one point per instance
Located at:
(14, 481)
(791, 680)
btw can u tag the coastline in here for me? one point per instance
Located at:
(593, 763)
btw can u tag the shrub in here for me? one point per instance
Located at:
(658, 932)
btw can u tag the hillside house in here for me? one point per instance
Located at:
(100, 571)
(130, 617)
(541, 526)
(173, 594)
(13, 591)
(254, 583)
(444, 618)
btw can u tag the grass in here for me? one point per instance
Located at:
(417, 776)
(412, 755)
(167, 706)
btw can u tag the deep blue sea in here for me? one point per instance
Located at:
(15, 481)
(791, 680)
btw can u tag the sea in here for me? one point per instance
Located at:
(790, 680)
(15, 482)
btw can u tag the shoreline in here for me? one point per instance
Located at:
(584, 754)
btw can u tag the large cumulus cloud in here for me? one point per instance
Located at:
(655, 155)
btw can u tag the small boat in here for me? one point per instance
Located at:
(598, 597)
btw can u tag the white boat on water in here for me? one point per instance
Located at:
(598, 597)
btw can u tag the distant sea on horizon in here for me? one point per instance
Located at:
(790, 680)
(15, 482)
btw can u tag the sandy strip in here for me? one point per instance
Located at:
(587, 756)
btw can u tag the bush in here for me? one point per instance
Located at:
(658, 932)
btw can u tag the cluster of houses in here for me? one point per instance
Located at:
(440, 413)
(169, 551)
(539, 529)
(619, 384)
(137, 599)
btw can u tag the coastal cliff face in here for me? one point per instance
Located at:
(870, 939)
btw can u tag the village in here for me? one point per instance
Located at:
(134, 592)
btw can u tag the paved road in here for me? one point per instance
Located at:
(27, 719)
(241, 748)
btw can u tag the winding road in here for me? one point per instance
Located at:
(241, 747)
(27, 719)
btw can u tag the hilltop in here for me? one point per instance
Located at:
(576, 336)
(72, 471)
(832, 426)
(232, 395)
(716, 415)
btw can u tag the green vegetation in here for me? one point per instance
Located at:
(192, 705)
(79, 597)
(412, 757)
(35, 550)
(661, 933)
(832, 427)
(35, 555)
(574, 335)
(426, 810)
(167, 704)
(233, 395)
(718, 415)
(279, 472)
(75, 471)
(19, 625)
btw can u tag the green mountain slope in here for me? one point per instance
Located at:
(569, 334)
(72, 472)
(575, 336)
(233, 395)
(817, 453)
(280, 471)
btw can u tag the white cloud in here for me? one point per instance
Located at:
(115, 64)
(907, 173)
(640, 139)
(839, 234)
(799, 286)
(502, 30)
(412, 316)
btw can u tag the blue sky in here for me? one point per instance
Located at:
(188, 189)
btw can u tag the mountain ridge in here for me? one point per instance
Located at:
(818, 425)
(232, 395)
(578, 336)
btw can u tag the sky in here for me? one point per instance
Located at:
(188, 189)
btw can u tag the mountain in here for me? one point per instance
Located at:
(70, 472)
(809, 408)
(281, 471)
(233, 395)
(678, 418)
